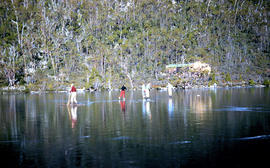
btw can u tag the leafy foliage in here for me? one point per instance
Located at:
(130, 38)
(266, 82)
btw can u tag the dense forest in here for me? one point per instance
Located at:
(105, 43)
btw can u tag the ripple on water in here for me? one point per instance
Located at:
(179, 142)
(243, 109)
(120, 138)
(254, 137)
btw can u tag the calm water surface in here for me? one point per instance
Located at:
(194, 128)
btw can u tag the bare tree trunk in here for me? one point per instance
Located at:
(130, 80)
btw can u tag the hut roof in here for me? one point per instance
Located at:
(177, 65)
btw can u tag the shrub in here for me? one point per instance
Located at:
(50, 87)
(21, 81)
(212, 79)
(266, 82)
(240, 77)
(27, 90)
(175, 81)
(228, 77)
(87, 85)
(251, 82)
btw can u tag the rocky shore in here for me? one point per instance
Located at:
(24, 89)
(181, 76)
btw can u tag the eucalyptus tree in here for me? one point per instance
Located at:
(129, 39)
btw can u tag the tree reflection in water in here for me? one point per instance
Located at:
(39, 131)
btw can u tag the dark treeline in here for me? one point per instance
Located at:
(103, 42)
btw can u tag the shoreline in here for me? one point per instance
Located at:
(22, 89)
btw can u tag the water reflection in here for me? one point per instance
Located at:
(8, 118)
(72, 112)
(107, 132)
(170, 107)
(146, 109)
(123, 106)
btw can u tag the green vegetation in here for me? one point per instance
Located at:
(104, 43)
(251, 82)
(240, 78)
(212, 79)
(228, 78)
(176, 81)
(27, 90)
(266, 82)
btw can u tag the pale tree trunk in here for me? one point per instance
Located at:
(130, 80)
(209, 1)
(20, 34)
(109, 83)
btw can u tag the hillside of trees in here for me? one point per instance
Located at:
(105, 43)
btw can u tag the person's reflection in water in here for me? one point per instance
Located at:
(170, 107)
(146, 108)
(72, 111)
(123, 107)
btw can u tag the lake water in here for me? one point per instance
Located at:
(194, 128)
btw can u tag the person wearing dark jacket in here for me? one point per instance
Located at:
(122, 94)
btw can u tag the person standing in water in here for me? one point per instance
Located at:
(147, 91)
(73, 95)
(169, 88)
(143, 91)
(122, 94)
